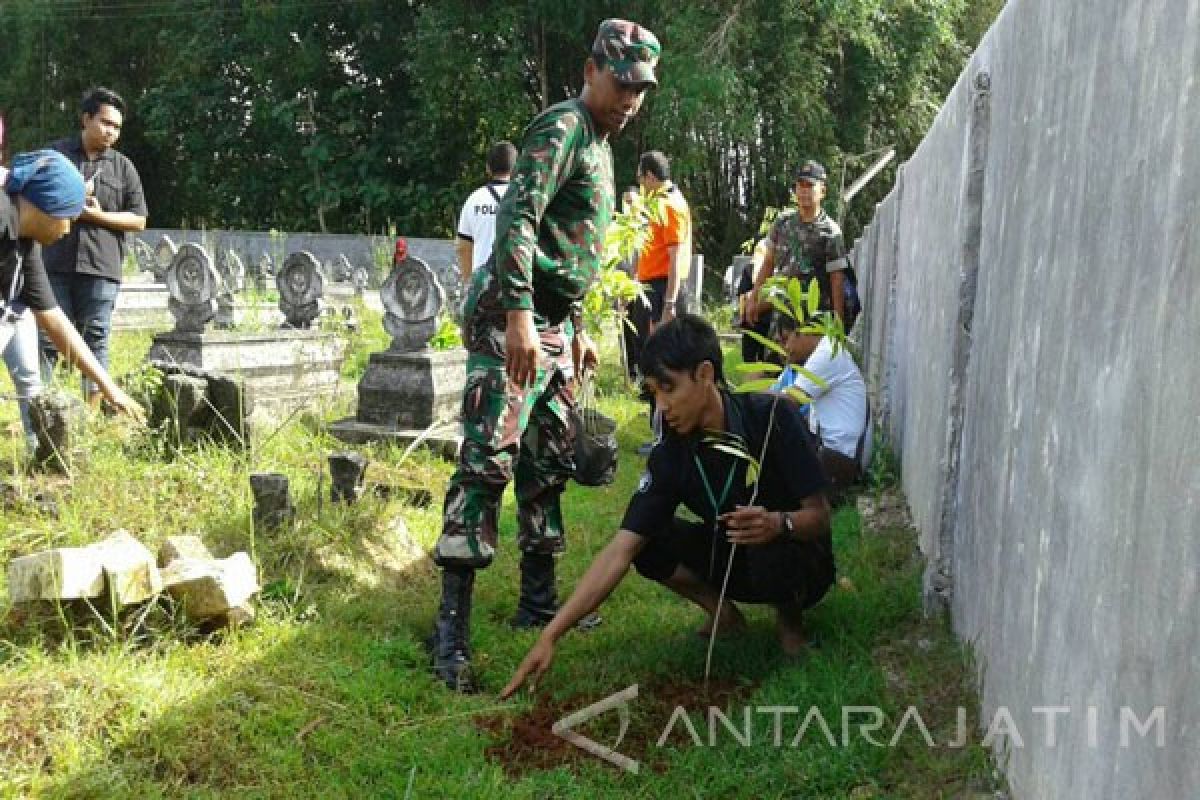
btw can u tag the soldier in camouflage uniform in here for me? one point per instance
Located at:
(804, 243)
(524, 334)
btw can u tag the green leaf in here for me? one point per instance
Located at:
(773, 346)
(796, 296)
(733, 451)
(760, 385)
(798, 394)
(748, 367)
(812, 376)
(814, 296)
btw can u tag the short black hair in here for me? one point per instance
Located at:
(98, 96)
(681, 345)
(501, 157)
(655, 162)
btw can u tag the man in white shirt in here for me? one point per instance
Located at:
(839, 411)
(477, 221)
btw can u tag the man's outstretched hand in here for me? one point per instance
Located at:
(536, 662)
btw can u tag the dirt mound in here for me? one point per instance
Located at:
(529, 743)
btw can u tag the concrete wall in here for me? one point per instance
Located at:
(1033, 290)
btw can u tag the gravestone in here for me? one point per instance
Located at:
(410, 392)
(346, 472)
(272, 500)
(262, 271)
(164, 254)
(342, 269)
(301, 285)
(275, 371)
(146, 260)
(193, 284)
(58, 421)
(232, 273)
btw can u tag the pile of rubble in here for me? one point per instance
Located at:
(211, 591)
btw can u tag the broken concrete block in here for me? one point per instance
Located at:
(69, 573)
(188, 546)
(210, 587)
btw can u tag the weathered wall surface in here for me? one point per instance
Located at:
(1037, 369)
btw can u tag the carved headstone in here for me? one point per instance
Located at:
(233, 280)
(164, 254)
(144, 254)
(262, 271)
(361, 278)
(412, 299)
(301, 286)
(193, 283)
(232, 270)
(341, 269)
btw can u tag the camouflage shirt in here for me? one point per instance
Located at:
(552, 220)
(804, 248)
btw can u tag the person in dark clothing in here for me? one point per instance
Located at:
(773, 536)
(42, 194)
(84, 267)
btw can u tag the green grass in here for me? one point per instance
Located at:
(328, 694)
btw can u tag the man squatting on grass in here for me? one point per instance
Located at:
(785, 554)
(521, 309)
(42, 194)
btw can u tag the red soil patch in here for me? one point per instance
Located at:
(530, 744)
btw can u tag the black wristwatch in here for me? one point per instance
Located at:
(786, 519)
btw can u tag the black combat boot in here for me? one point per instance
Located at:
(451, 643)
(538, 603)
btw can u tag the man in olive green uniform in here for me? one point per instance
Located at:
(804, 243)
(523, 331)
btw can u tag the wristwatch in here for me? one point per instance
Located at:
(785, 520)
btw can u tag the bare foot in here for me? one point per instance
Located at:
(788, 625)
(732, 623)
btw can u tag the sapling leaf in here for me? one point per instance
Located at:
(747, 367)
(780, 305)
(774, 347)
(795, 296)
(812, 376)
(798, 394)
(733, 451)
(814, 297)
(760, 385)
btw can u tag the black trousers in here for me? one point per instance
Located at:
(782, 571)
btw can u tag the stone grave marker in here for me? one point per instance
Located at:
(410, 392)
(164, 254)
(301, 286)
(193, 283)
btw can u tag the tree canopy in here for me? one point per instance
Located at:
(352, 115)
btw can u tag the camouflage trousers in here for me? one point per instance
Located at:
(509, 432)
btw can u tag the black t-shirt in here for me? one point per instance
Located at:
(92, 249)
(790, 470)
(32, 288)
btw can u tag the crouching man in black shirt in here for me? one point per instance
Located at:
(784, 555)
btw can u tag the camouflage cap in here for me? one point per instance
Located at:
(629, 50)
(810, 171)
